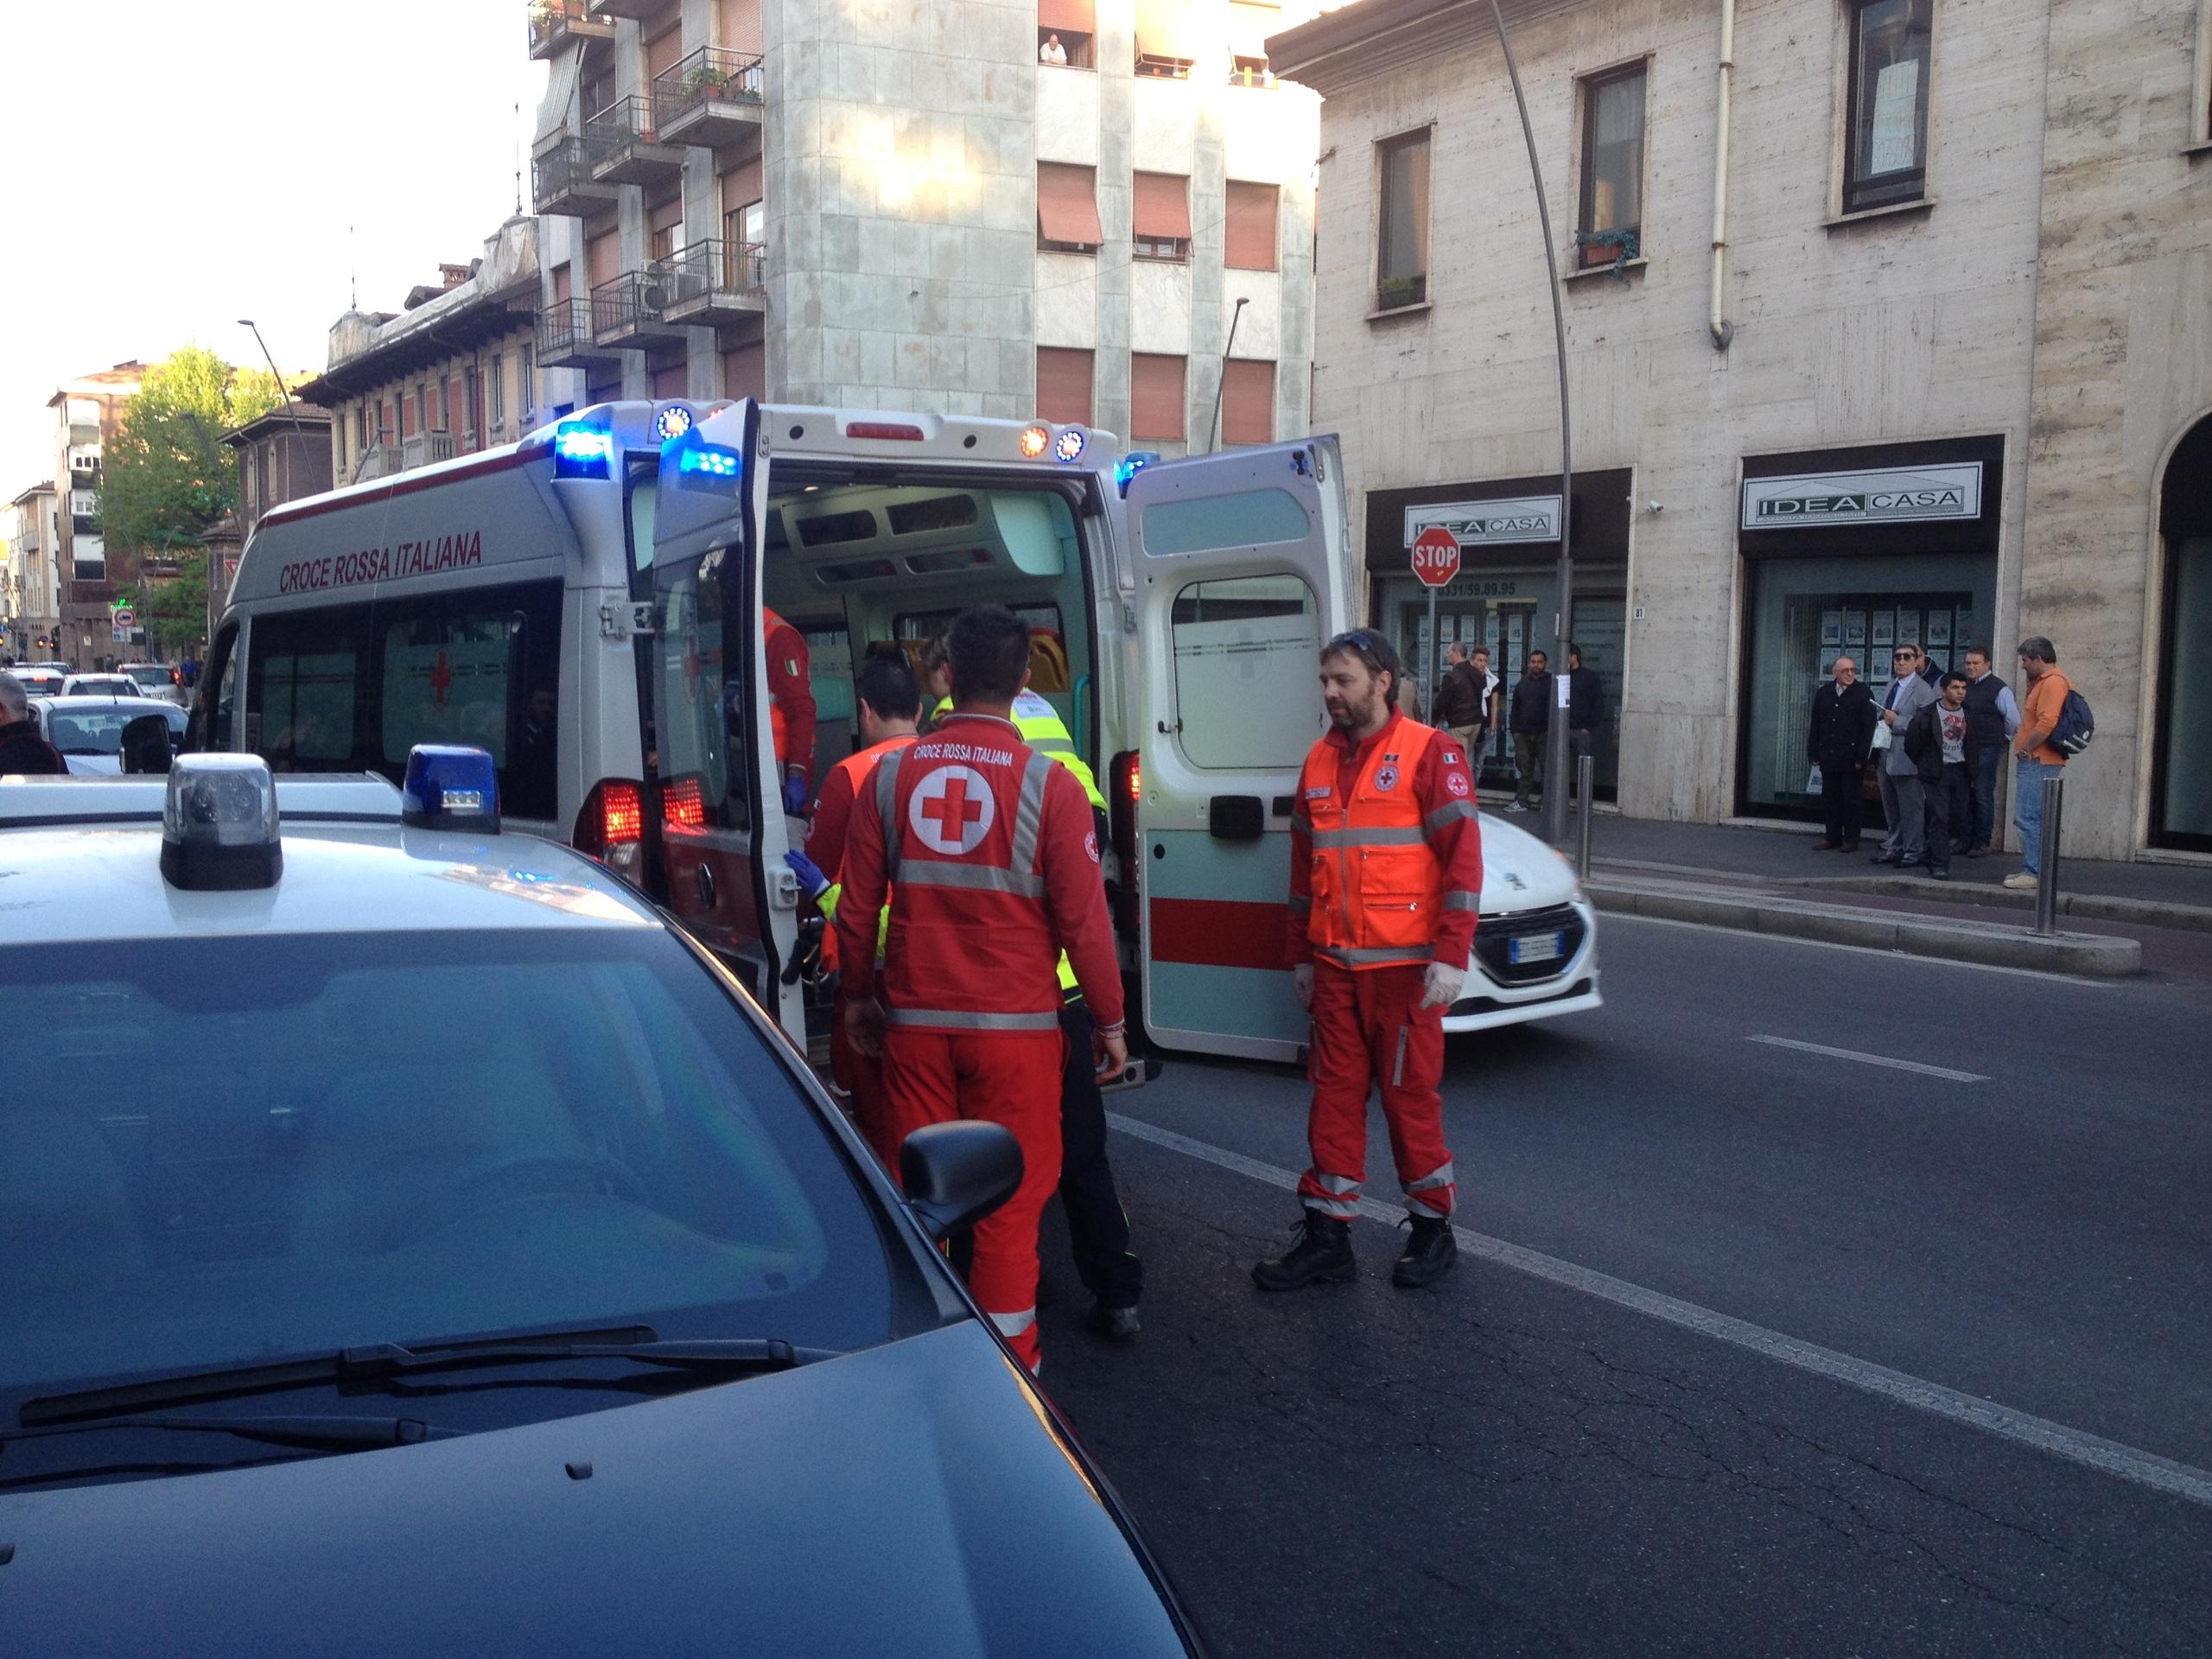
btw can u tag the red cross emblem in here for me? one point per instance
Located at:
(951, 810)
(691, 664)
(441, 676)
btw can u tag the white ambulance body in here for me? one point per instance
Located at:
(1177, 611)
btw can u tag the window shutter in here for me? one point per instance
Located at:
(1064, 385)
(1156, 398)
(1248, 402)
(1249, 226)
(1162, 208)
(1067, 204)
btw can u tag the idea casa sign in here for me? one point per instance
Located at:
(1899, 496)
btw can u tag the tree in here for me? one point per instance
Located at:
(164, 477)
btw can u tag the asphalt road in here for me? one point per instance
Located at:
(1511, 1465)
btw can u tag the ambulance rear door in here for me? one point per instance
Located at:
(1240, 570)
(722, 830)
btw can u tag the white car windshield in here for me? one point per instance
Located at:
(99, 731)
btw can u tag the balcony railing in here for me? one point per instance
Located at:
(555, 23)
(378, 461)
(424, 448)
(711, 97)
(561, 180)
(637, 9)
(564, 336)
(713, 283)
(627, 312)
(627, 146)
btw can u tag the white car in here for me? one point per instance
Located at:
(154, 680)
(1535, 941)
(89, 730)
(100, 685)
(39, 680)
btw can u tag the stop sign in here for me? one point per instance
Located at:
(1436, 555)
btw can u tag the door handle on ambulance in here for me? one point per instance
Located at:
(705, 887)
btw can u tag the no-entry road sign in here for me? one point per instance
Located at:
(1436, 555)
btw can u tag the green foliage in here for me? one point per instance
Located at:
(165, 477)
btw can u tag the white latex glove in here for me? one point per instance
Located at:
(1439, 987)
(1301, 980)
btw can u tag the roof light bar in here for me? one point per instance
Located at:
(582, 450)
(1069, 445)
(1130, 465)
(450, 786)
(1033, 441)
(219, 824)
(672, 422)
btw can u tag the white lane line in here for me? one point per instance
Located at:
(1943, 1072)
(1623, 919)
(2076, 1445)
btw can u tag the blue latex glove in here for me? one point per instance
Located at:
(795, 796)
(812, 884)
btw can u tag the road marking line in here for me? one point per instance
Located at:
(1623, 919)
(2074, 1445)
(1943, 1072)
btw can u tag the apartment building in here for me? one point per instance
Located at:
(1060, 209)
(31, 579)
(87, 411)
(282, 455)
(1920, 353)
(453, 371)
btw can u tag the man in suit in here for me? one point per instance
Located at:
(1905, 798)
(1842, 728)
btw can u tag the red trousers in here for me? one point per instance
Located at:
(861, 1075)
(1369, 1032)
(1002, 1076)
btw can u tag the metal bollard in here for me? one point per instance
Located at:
(2054, 800)
(1585, 773)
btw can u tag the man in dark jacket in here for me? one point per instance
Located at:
(1458, 706)
(1585, 705)
(1842, 729)
(1935, 743)
(22, 749)
(1530, 720)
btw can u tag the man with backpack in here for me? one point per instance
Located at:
(2039, 756)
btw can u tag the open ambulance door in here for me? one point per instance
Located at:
(1241, 564)
(722, 833)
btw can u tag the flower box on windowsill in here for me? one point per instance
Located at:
(1611, 268)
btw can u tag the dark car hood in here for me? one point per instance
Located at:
(910, 1500)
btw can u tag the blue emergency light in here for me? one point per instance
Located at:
(1130, 465)
(450, 786)
(1069, 445)
(581, 451)
(709, 464)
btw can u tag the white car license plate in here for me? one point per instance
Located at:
(1533, 947)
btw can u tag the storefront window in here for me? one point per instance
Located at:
(1806, 612)
(2184, 792)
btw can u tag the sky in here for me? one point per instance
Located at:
(174, 167)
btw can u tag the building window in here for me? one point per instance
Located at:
(1160, 217)
(1064, 385)
(1402, 263)
(1887, 127)
(1248, 225)
(1066, 32)
(1067, 208)
(1170, 38)
(1156, 398)
(1250, 22)
(1612, 167)
(1247, 401)
(495, 374)
(665, 225)
(526, 380)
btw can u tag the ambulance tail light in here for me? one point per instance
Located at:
(895, 429)
(1129, 788)
(611, 824)
(683, 805)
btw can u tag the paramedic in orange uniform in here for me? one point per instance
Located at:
(989, 854)
(1386, 878)
(791, 708)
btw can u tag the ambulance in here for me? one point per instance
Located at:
(585, 605)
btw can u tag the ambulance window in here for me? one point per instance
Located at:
(643, 487)
(694, 706)
(304, 688)
(1245, 655)
(1246, 519)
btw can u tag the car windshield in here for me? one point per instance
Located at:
(148, 675)
(223, 1152)
(99, 731)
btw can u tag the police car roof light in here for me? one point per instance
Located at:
(1130, 465)
(219, 824)
(582, 450)
(450, 786)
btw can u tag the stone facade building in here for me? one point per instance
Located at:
(1008, 209)
(1922, 353)
(87, 412)
(32, 579)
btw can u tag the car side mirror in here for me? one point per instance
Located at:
(146, 744)
(956, 1173)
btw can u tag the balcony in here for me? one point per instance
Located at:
(714, 284)
(627, 312)
(711, 97)
(637, 9)
(627, 150)
(561, 182)
(377, 460)
(564, 337)
(556, 25)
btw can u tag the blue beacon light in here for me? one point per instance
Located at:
(1130, 465)
(581, 451)
(450, 786)
(709, 460)
(1069, 445)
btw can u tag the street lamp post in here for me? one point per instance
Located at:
(1221, 380)
(298, 431)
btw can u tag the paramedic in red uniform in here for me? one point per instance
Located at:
(791, 708)
(992, 861)
(1386, 878)
(889, 704)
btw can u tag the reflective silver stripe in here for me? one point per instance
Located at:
(1435, 1179)
(1335, 1185)
(1049, 744)
(1410, 837)
(1450, 812)
(1372, 958)
(1335, 1209)
(1013, 1324)
(983, 877)
(1029, 815)
(886, 806)
(972, 1020)
(1460, 900)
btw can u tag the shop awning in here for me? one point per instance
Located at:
(1068, 17)
(1162, 208)
(1067, 204)
(1168, 29)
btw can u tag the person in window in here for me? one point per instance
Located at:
(1053, 52)
(23, 747)
(532, 765)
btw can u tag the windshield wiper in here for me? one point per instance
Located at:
(308, 1433)
(380, 1362)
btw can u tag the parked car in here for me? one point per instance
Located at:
(40, 680)
(154, 680)
(89, 730)
(100, 685)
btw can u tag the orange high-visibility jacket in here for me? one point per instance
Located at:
(1376, 884)
(854, 770)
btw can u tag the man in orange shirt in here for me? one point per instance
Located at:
(2038, 759)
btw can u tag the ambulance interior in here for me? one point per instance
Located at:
(850, 562)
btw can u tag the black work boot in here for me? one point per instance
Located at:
(1321, 1256)
(1429, 1254)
